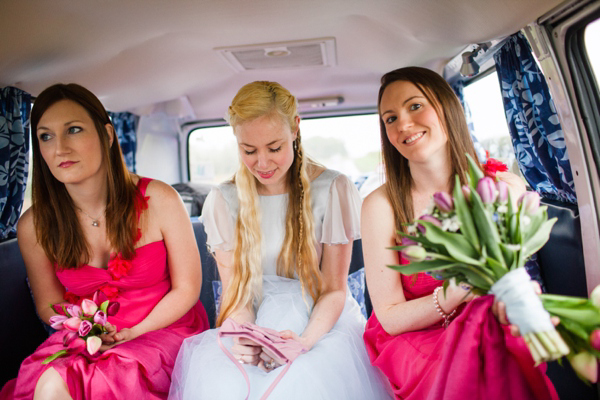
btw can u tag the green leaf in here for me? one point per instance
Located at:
(499, 269)
(422, 266)
(430, 246)
(456, 244)
(539, 238)
(536, 221)
(104, 305)
(54, 356)
(475, 173)
(476, 277)
(488, 233)
(467, 226)
(509, 255)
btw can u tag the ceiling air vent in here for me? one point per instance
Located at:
(311, 53)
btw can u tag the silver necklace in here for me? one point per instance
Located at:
(95, 221)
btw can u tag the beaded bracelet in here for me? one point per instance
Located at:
(436, 303)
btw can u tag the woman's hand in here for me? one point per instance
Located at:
(246, 351)
(113, 338)
(454, 296)
(268, 361)
(499, 310)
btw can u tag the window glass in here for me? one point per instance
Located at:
(349, 144)
(592, 37)
(484, 100)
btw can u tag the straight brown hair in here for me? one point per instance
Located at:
(54, 216)
(447, 106)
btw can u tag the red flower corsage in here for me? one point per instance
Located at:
(110, 291)
(71, 298)
(118, 267)
(492, 166)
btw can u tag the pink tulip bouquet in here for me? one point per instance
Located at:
(478, 236)
(84, 324)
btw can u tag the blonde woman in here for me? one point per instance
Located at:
(281, 232)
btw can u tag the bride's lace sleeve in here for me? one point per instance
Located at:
(219, 224)
(341, 222)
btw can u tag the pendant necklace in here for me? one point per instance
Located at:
(95, 221)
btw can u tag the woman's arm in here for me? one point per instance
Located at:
(47, 289)
(394, 312)
(225, 267)
(334, 269)
(167, 213)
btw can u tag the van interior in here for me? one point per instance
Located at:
(173, 68)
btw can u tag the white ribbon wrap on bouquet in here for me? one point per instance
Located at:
(523, 306)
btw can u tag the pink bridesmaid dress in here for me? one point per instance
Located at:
(474, 358)
(140, 368)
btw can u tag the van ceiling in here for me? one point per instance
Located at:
(150, 56)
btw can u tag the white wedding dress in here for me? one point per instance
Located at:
(337, 367)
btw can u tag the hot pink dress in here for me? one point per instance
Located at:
(474, 358)
(137, 369)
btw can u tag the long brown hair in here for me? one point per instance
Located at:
(447, 106)
(298, 254)
(56, 224)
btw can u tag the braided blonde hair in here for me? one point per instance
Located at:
(298, 254)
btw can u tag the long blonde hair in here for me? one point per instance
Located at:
(298, 254)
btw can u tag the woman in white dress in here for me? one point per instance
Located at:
(282, 234)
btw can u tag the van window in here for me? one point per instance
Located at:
(349, 144)
(484, 99)
(592, 35)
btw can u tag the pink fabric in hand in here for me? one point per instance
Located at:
(285, 350)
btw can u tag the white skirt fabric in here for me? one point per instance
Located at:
(337, 367)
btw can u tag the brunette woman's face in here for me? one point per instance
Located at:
(266, 148)
(411, 123)
(69, 142)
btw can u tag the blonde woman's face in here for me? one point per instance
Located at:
(266, 149)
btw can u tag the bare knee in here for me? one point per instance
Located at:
(51, 386)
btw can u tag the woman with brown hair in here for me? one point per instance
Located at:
(281, 232)
(94, 226)
(427, 341)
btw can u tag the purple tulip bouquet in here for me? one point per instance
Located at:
(84, 324)
(480, 237)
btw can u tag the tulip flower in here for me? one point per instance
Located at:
(502, 189)
(595, 339)
(72, 324)
(93, 344)
(414, 253)
(85, 327)
(486, 188)
(428, 218)
(466, 189)
(595, 296)
(443, 201)
(56, 321)
(113, 308)
(99, 297)
(89, 307)
(69, 337)
(100, 317)
(58, 308)
(76, 346)
(586, 365)
(530, 201)
(74, 311)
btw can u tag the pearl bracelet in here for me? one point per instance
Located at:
(436, 303)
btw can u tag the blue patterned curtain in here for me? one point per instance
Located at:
(15, 105)
(458, 88)
(534, 126)
(126, 126)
